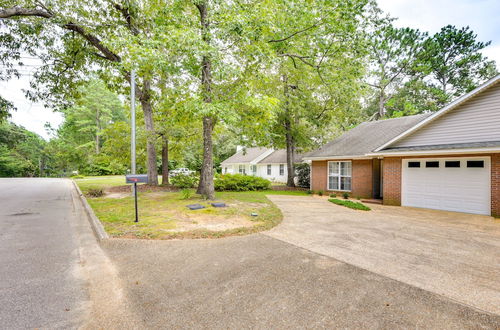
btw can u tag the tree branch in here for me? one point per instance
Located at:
(295, 33)
(93, 40)
(18, 11)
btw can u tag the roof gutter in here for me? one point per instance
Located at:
(337, 157)
(435, 152)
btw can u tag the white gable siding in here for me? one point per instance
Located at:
(477, 120)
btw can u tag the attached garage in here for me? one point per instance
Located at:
(451, 184)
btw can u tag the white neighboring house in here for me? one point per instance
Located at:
(263, 162)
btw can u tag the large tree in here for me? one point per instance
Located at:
(452, 60)
(73, 38)
(317, 50)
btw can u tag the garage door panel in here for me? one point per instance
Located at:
(460, 189)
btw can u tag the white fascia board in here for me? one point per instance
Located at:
(337, 157)
(261, 156)
(436, 152)
(441, 112)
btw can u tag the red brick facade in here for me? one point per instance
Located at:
(391, 173)
(361, 177)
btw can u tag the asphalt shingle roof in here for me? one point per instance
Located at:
(367, 136)
(245, 156)
(279, 157)
(491, 144)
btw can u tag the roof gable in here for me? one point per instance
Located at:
(246, 155)
(365, 137)
(467, 116)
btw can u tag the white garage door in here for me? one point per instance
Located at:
(451, 184)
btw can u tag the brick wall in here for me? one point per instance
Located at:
(362, 178)
(392, 180)
(495, 185)
(319, 175)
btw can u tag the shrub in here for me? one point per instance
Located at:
(309, 192)
(239, 182)
(184, 181)
(95, 192)
(358, 198)
(333, 195)
(345, 195)
(350, 204)
(78, 176)
(303, 175)
(320, 193)
(186, 193)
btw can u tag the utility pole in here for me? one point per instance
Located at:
(132, 120)
(132, 137)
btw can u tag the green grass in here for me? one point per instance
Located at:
(350, 204)
(160, 213)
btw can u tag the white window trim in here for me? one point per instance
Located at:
(269, 169)
(339, 176)
(282, 169)
(240, 166)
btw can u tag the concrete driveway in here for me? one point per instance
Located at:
(451, 254)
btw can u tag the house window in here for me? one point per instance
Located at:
(432, 164)
(339, 176)
(268, 169)
(475, 163)
(241, 169)
(225, 169)
(452, 163)
(413, 164)
(282, 169)
(254, 169)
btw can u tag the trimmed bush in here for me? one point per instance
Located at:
(333, 195)
(184, 181)
(303, 175)
(350, 204)
(309, 192)
(78, 176)
(240, 182)
(320, 193)
(345, 195)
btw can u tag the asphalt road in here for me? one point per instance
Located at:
(41, 284)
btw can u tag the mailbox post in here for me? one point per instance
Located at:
(135, 179)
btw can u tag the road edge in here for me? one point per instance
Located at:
(95, 223)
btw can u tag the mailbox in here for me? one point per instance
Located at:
(137, 178)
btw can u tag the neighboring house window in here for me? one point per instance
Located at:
(225, 169)
(241, 169)
(282, 169)
(339, 176)
(254, 169)
(269, 169)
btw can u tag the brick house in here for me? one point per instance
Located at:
(447, 160)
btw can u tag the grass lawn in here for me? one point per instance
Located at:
(350, 204)
(164, 215)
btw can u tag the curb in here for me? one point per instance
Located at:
(95, 223)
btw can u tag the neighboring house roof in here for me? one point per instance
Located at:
(246, 155)
(446, 109)
(366, 137)
(279, 157)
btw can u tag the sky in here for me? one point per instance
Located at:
(426, 15)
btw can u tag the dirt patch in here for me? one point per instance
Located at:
(210, 222)
(141, 188)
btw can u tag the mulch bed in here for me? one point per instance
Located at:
(141, 188)
(285, 188)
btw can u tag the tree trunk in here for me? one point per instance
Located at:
(164, 162)
(381, 104)
(206, 185)
(290, 147)
(145, 98)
